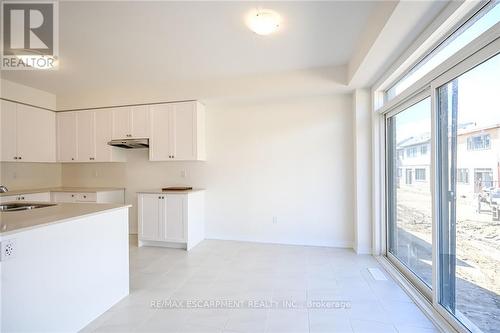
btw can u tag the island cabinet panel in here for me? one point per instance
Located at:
(27, 133)
(171, 220)
(72, 272)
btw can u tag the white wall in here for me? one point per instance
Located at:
(24, 94)
(361, 112)
(18, 176)
(289, 158)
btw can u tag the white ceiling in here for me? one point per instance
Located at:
(135, 48)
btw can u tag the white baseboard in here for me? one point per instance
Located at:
(337, 244)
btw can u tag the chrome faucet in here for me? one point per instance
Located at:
(3, 189)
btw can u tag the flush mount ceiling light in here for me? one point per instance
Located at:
(263, 21)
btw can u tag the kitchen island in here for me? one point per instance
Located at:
(62, 266)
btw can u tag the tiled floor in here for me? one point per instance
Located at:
(267, 275)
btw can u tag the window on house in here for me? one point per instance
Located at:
(423, 149)
(401, 154)
(420, 174)
(463, 175)
(478, 142)
(411, 152)
(470, 30)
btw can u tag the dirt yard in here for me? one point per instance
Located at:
(477, 252)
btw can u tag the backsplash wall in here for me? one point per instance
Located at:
(137, 174)
(19, 176)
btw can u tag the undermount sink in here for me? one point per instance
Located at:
(14, 207)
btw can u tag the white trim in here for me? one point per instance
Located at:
(423, 45)
(481, 56)
(486, 38)
(451, 17)
(420, 300)
(478, 51)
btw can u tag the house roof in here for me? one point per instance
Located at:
(413, 141)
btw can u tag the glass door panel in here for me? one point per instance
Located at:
(469, 229)
(408, 189)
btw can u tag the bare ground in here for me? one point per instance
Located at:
(477, 251)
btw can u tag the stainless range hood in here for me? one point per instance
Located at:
(130, 143)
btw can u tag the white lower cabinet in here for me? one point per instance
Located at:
(171, 219)
(92, 197)
(37, 197)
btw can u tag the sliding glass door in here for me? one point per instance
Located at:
(409, 208)
(468, 108)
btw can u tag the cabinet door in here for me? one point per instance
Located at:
(149, 216)
(103, 133)
(63, 197)
(183, 129)
(85, 136)
(121, 123)
(66, 137)
(140, 121)
(40, 197)
(8, 198)
(160, 141)
(8, 136)
(86, 197)
(173, 222)
(36, 139)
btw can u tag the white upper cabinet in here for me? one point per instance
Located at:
(67, 137)
(36, 134)
(140, 125)
(28, 133)
(177, 132)
(131, 122)
(103, 134)
(121, 123)
(83, 136)
(8, 132)
(160, 141)
(85, 122)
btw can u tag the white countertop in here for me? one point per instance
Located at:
(13, 222)
(62, 189)
(159, 191)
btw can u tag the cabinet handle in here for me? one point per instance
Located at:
(91, 158)
(159, 197)
(85, 197)
(72, 158)
(15, 157)
(72, 195)
(19, 157)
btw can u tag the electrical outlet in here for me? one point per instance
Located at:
(275, 220)
(8, 250)
(183, 173)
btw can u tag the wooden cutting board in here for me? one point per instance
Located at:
(177, 188)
